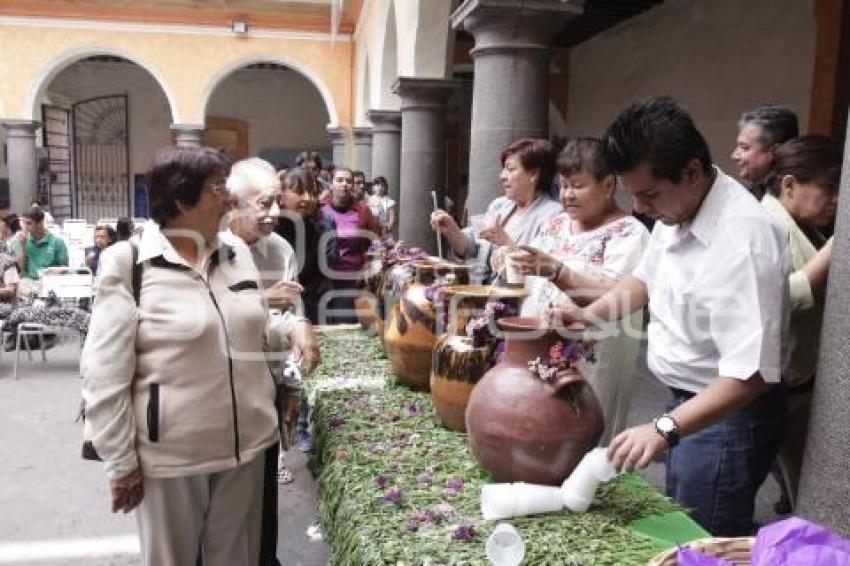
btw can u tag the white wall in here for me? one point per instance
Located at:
(718, 57)
(149, 115)
(284, 110)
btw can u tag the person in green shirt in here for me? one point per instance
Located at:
(42, 249)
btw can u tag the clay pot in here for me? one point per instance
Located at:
(522, 428)
(367, 304)
(410, 331)
(457, 363)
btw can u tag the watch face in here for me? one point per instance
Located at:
(665, 424)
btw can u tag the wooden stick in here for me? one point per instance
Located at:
(439, 237)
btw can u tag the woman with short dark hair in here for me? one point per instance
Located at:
(579, 255)
(803, 196)
(179, 400)
(528, 166)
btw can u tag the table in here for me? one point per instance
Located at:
(398, 488)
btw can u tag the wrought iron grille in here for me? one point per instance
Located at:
(57, 141)
(101, 158)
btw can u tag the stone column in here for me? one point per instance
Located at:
(188, 135)
(386, 148)
(823, 495)
(511, 80)
(339, 141)
(23, 168)
(423, 154)
(363, 150)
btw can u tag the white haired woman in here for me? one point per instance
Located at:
(256, 187)
(179, 401)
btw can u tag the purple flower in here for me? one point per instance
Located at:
(412, 523)
(336, 422)
(454, 483)
(394, 496)
(429, 516)
(413, 410)
(382, 481)
(425, 478)
(463, 532)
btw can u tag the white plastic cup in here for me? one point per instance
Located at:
(512, 273)
(579, 489)
(506, 500)
(505, 546)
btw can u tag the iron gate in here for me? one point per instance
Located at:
(57, 141)
(101, 158)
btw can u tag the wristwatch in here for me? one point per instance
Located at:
(666, 426)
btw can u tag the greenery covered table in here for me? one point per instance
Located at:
(398, 488)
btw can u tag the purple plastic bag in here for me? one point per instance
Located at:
(796, 542)
(690, 557)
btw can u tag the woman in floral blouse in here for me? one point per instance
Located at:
(578, 256)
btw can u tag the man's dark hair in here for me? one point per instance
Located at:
(124, 228)
(178, 174)
(35, 215)
(584, 155)
(534, 155)
(14, 223)
(358, 173)
(657, 131)
(777, 124)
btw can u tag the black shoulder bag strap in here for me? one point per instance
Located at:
(88, 451)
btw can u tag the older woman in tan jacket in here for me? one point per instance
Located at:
(179, 397)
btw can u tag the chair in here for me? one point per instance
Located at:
(69, 284)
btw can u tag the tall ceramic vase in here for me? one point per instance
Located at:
(459, 362)
(524, 428)
(410, 331)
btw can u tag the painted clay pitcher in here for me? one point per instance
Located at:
(410, 331)
(458, 362)
(524, 428)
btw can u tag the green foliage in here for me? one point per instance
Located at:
(395, 486)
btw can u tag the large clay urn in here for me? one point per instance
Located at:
(458, 362)
(410, 331)
(523, 428)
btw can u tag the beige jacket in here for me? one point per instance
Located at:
(179, 385)
(806, 314)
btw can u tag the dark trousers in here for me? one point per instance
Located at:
(715, 473)
(268, 536)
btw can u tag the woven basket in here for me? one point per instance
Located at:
(735, 549)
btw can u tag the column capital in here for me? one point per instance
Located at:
(337, 133)
(418, 92)
(20, 128)
(499, 25)
(384, 117)
(188, 135)
(362, 133)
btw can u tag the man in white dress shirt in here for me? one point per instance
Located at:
(715, 277)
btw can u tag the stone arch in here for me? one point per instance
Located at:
(68, 58)
(388, 70)
(297, 66)
(364, 97)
